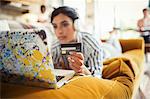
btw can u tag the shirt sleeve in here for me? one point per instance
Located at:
(96, 62)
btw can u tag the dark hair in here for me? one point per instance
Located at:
(43, 6)
(145, 9)
(68, 11)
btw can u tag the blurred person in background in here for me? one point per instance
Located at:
(43, 16)
(144, 25)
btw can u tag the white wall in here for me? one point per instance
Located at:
(80, 6)
(117, 13)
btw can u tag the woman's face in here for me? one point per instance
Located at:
(64, 28)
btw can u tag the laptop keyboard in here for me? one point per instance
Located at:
(59, 78)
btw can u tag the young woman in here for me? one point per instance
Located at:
(89, 60)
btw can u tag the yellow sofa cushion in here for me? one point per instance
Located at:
(130, 69)
(137, 58)
(82, 87)
(131, 44)
(120, 69)
(135, 55)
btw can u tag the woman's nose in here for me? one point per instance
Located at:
(59, 31)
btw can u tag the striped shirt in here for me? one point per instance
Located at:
(91, 50)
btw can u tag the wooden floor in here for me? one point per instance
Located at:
(145, 83)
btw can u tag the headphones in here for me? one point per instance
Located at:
(68, 11)
(75, 17)
(76, 25)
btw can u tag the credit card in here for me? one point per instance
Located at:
(67, 48)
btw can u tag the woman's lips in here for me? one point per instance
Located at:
(61, 37)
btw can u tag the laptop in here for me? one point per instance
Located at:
(25, 58)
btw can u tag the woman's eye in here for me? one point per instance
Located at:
(54, 26)
(65, 24)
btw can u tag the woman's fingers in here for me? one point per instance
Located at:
(76, 60)
(74, 65)
(77, 54)
(75, 69)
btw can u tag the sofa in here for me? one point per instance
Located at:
(121, 77)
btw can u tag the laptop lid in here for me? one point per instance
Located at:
(25, 58)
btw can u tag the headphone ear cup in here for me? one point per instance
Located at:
(76, 25)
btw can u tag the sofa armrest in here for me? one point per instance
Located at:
(130, 44)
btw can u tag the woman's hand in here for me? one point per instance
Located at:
(76, 62)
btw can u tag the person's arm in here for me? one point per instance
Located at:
(140, 24)
(94, 56)
(95, 61)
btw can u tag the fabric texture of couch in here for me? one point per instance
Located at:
(120, 79)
